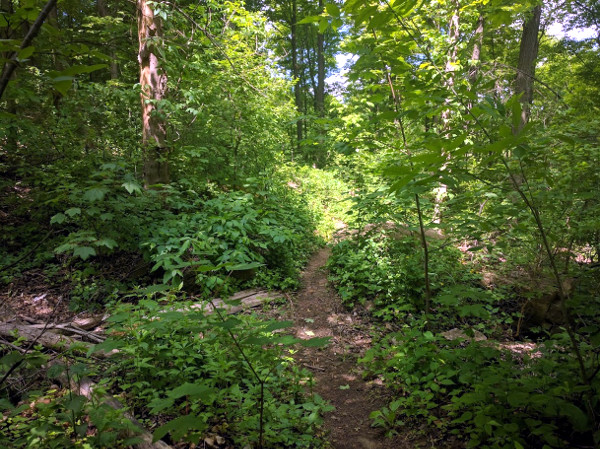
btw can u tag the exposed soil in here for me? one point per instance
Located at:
(317, 311)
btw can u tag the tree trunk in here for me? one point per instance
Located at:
(528, 52)
(153, 82)
(295, 71)
(453, 35)
(114, 67)
(476, 55)
(320, 92)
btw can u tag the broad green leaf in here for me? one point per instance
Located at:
(309, 19)
(189, 389)
(332, 9)
(323, 24)
(156, 288)
(276, 325)
(179, 427)
(25, 53)
(84, 252)
(157, 405)
(73, 211)
(55, 370)
(132, 187)
(95, 194)
(245, 266)
(258, 341)
(58, 219)
(317, 342)
(108, 243)
(63, 85)
(76, 403)
(230, 323)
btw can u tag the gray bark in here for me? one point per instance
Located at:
(528, 53)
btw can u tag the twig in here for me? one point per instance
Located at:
(212, 39)
(33, 342)
(11, 64)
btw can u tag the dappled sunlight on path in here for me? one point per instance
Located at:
(317, 311)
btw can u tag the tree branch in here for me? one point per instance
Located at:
(11, 65)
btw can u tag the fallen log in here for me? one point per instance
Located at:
(51, 335)
(85, 387)
(248, 299)
(44, 336)
(66, 329)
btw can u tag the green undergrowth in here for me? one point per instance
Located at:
(186, 375)
(478, 384)
(259, 233)
(142, 254)
(389, 272)
(325, 193)
(212, 374)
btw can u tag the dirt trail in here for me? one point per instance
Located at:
(317, 311)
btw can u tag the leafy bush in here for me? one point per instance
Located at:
(497, 398)
(389, 271)
(232, 377)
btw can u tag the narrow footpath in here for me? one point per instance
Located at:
(317, 311)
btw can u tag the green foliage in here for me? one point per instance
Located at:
(54, 417)
(184, 363)
(386, 266)
(324, 192)
(59, 419)
(498, 397)
(234, 231)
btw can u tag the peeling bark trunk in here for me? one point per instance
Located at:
(153, 82)
(528, 53)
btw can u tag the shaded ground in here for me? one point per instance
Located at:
(317, 311)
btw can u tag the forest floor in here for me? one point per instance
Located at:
(317, 311)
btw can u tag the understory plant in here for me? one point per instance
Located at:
(492, 395)
(212, 374)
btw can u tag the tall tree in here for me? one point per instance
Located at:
(449, 68)
(114, 67)
(320, 91)
(153, 82)
(528, 52)
(295, 67)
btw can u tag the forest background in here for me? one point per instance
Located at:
(167, 152)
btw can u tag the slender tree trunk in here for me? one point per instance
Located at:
(528, 53)
(320, 92)
(311, 65)
(453, 36)
(10, 143)
(475, 58)
(153, 81)
(295, 71)
(114, 67)
(476, 55)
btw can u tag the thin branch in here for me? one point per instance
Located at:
(219, 47)
(11, 64)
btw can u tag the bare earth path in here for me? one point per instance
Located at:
(317, 311)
